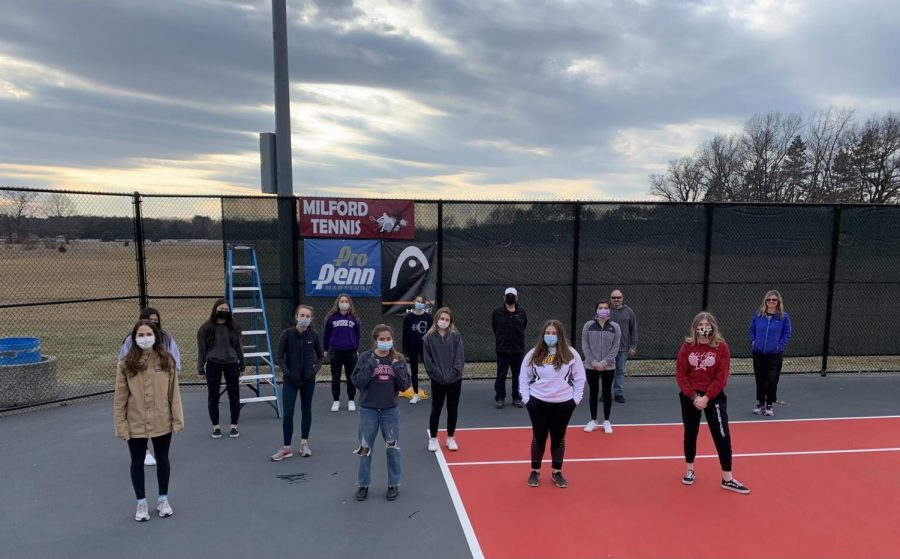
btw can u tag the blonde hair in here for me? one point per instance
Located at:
(716, 336)
(563, 350)
(779, 309)
(394, 354)
(334, 308)
(437, 316)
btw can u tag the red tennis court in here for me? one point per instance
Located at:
(819, 488)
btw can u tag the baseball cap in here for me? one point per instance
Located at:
(511, 290)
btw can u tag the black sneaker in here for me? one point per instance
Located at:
(234, 433)
(688, 478)
(362, 493)
(518, 403)
(620, 399)
(559, 480)
(392, 493)
(534, 479)
(498, 403)
(735, 485)
(217, 433)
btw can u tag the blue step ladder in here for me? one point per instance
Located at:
(259, 352)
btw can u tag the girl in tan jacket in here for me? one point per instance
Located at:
(148, 406)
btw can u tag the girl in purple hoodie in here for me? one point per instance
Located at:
(341, 341)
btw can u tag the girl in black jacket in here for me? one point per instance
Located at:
(219, 353)
(299, 355)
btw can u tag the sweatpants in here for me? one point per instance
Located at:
(549, 418)
(137, 448)
(438, 393)
(289, 391)
(594, 379)
(214, 374)
(767, 369)
(717, 419)
(345, 358)
(505, 361)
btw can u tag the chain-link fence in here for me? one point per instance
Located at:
(76, 269)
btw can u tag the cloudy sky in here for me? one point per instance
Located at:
(418, 98)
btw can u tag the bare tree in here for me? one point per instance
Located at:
(683, 181)
(721, 161)
(827, 132)
(875, 156)
(766, 141)
(60, 207)
(16, 209)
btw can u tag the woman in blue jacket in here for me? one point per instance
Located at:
(770, 331)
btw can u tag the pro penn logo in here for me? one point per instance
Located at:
(349, 269)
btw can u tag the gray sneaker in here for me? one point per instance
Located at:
(305, 452)
(141, 514)
(163, 508)
(769, 411)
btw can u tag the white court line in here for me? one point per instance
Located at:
(730, 422)
(681, 456)
(464, 521)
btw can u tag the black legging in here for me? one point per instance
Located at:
(549, 418)
(767, 369)
(138, 448)
(716, 412)
(594, 378)
(414, 356)
(345, 358)
(214, 373)
(438, 393)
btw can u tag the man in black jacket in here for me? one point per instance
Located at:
(509, 322)
(299, 355)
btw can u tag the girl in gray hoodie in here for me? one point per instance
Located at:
(444, 361)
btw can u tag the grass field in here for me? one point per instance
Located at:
(85, 337)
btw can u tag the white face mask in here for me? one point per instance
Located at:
(443, 324)
(344, 306)
(146, 342)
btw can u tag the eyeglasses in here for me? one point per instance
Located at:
(767, 300)
(615, 297)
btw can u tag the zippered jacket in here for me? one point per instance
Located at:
(769, 334)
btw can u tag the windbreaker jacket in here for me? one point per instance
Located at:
(769, 334)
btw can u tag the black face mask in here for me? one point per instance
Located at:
(223, 315)
(510, 299)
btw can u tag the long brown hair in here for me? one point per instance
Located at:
(134, 356)
(714, 339)
(434, 327)
(563, 350)
(334, 307)
(779, 309)
(394, 354)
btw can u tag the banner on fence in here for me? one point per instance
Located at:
(409, 269)
(356, 218)
(342, 266)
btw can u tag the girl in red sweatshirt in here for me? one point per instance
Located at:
(702, 371)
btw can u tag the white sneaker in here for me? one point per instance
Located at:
(607, 428)
(305, 452)
(451, 443)
(141, 514)
(163, 508)
(591, 426)
(149, 460)
(432, 444)
(415, 399)
(336, 405)
(351, 406)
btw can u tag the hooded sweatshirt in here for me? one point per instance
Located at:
(701, 368)
(341, 332)
(379, 380)
(444, 359)
(547, 384)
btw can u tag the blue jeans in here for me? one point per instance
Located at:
(370, 421)
(289, 391)
(619, 383)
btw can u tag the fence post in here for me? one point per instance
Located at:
(224, 243)
(576, 244)
(439, 295)
(139, 256)
(710, 208)
(829, 303)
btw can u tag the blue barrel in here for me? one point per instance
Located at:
(20, 351)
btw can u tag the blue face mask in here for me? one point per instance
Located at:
(420, 306)
(385, 346)
(550, 339)
(303, 321)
